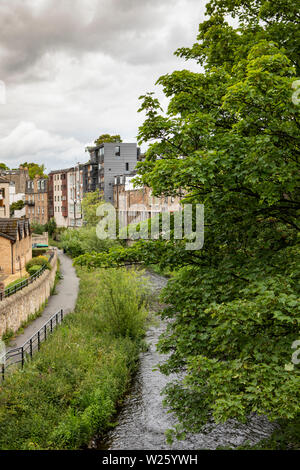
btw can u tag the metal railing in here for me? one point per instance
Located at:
(18, 356)
(20, 285)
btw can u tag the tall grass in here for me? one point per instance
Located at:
(71, 389)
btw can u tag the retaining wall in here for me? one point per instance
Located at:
(16, 309)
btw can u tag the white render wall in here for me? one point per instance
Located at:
(74, 192)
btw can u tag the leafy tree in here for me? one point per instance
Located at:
(35, 169)
(90, 203)
(108, 138)
(3, 166)
(18, 205)
(38, 228)
(51, 226)
(229, 140)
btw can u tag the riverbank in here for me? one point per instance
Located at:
(72, 387)
(143, 421)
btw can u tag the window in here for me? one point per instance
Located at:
(117, 151)
(126, 166)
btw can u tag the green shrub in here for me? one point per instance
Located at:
(76, 242)
(34, 269)
(38, 251)
(12, 284)
(121, 303)
(38, 261)
(37, 228)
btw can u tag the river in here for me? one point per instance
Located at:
(143, 420)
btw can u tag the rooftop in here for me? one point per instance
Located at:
(3, 180)
(10, 228)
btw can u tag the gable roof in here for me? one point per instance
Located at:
(11, 228)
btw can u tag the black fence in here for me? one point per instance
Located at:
(20, 285)
(18, 356)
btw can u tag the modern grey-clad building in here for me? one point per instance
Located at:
(107, 161)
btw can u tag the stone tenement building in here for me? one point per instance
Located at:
(19, 177)
(4, 197)
(15, 245)
(36, 200)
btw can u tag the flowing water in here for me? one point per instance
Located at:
(143, 420)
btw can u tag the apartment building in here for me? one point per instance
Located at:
(4, 197)
(106, 162)
(58, 197)
(36, 200)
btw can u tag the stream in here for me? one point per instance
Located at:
(143, 420)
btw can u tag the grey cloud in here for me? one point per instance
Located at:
(129, 30)
(75, 68)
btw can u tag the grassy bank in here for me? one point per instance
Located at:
(71, 389)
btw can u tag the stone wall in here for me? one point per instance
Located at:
(16, 309)
(40, 239)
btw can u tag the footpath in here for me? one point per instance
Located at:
(64, 298)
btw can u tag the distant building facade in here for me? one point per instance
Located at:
(135, 204)
(4, 197)
(15, 245)
(19, 177)
(36, 200)
(58, 197)
(75, 195)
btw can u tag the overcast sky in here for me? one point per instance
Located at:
(74, 69)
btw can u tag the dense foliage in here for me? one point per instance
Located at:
(83, 240)
(49, 227)
(230, 140)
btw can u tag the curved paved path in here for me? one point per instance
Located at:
(65, 298)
